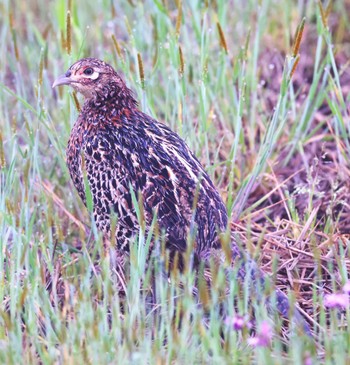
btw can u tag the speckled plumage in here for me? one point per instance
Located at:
(122, 149)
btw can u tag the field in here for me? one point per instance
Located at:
(259, 90)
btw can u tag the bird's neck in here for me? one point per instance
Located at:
(112, 98)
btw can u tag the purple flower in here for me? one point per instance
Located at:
(307, 359)
(238, 322)
(336, 301)
(264, 336)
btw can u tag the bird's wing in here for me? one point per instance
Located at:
(118, 161)
(110, 183)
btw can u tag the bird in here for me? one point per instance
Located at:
(118, 150)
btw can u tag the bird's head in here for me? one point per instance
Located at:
(91, 77)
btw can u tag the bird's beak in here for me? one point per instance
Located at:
(62, 80)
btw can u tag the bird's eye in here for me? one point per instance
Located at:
(88, 71)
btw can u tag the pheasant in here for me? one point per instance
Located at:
(124, 151)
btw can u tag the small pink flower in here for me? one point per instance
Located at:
(254, 341)
(336, 300)
(237, 322)
(346, 287)
(264, 336)
(307, 359)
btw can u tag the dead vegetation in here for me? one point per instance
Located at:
(310, 185)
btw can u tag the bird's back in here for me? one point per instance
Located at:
(130, 151)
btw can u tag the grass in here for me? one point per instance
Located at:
(278, 151)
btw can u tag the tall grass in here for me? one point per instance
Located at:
(201, 62)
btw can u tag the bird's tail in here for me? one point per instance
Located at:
(248, 270)
(249, 273)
